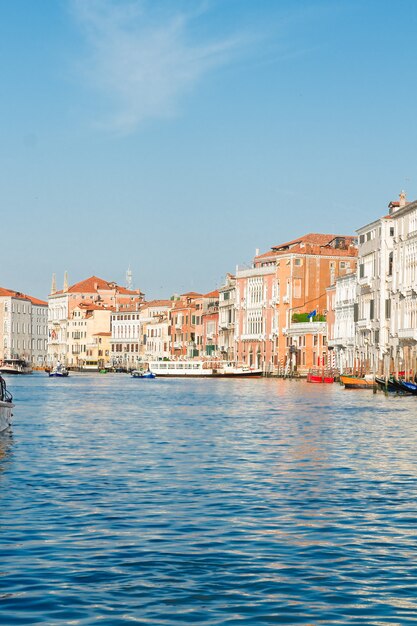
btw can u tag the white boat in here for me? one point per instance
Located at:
(15, 366)
(59, 371)
(6, 406)
(145, 374)
(201, 369)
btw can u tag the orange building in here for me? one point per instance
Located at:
(183, 325)
(291, 281)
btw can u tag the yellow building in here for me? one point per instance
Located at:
(89, 335)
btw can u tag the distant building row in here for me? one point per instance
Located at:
(316, 301)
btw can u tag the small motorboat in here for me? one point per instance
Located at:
(140, 374)
(6, 406)
(59, 371)
(355, 382)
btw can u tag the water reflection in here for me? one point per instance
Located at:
(6, 443)
(209, 502)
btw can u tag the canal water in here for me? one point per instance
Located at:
(206, 502)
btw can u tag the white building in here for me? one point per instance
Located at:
(227, 318)
(404, 287)
(126, 338)
(373, 311)
(155, 320)
(23, 327)
(341, 329)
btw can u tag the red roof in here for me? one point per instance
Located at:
(21, 296)
(153, 303)
(212, 294)
(94, 284)
(313, 238)
(301, 245)
(90, 306)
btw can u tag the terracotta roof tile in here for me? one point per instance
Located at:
(313, 238)
(21, 296)
(153, 303)
(94, 283)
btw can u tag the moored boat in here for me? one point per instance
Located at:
(408, 387)
(6, 406)
(321, 376)
(140, 374)
(356, 382)
(386, 385)
(15, 366)
(202, 369)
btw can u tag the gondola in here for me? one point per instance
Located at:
(386, 385)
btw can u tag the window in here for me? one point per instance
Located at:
(391, 231)
(356, 312)
(297, 288)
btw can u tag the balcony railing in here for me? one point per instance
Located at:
(407, 333)
(307, 328)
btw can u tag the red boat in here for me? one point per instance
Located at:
(320, 376)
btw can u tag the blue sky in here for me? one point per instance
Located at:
(179, 136)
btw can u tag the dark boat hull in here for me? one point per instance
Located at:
(386, 385)
(409, 388)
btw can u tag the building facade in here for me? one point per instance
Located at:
(403, 298)
(155, 321)
(92, 290)
(341, 301)
(126, 343)
(227, 318)
(274, 297)
(88, 336)
(23, 327)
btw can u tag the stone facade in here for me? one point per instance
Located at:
(23, 327)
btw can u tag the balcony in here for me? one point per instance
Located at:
(409, 334)
(307, 328)
(365, 325)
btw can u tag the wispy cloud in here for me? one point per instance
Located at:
(142, 57)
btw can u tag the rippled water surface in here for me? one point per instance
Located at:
(206, 502)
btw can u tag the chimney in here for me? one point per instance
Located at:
(395, 206)
(257, 252)
(65, 288)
